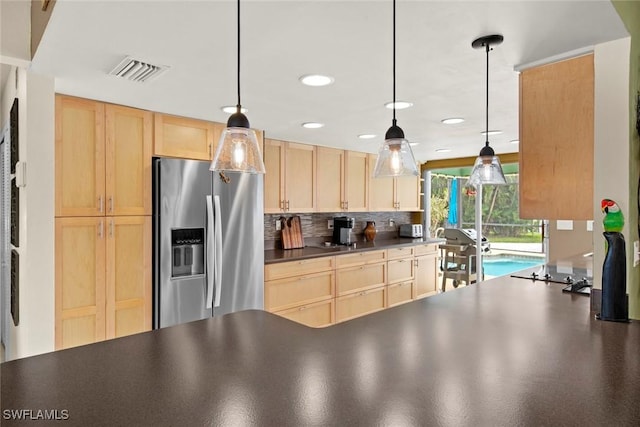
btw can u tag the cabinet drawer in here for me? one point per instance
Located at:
(298, 268)
(400, 270)
(355, 279)
(399, 293)
(425, 249)
(294, 291)
(315, 315)
(359, 304)
(360, 258)
(403, 252)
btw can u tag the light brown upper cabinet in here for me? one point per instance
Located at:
(290, 179)
(393, 194)
(356, 183)
(556, 140)
(185, 138)
(341, 180)
(330, 194)
(103, 159)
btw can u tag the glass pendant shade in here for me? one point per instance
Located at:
(395, 158)
(486, 170)
(238, 151)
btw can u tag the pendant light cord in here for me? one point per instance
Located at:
(487, 100)
(238, 72)
(394, 62)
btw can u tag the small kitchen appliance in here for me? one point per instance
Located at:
(410, 230)
(342, 228)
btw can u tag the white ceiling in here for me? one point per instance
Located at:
(437, 69)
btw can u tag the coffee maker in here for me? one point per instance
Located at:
(342, 228)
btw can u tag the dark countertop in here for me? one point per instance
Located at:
(313, 251)
(505, 352)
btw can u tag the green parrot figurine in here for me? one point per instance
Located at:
(613, 219)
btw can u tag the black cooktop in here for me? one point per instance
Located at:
(577, 280)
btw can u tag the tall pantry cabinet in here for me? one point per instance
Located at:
(103, 221)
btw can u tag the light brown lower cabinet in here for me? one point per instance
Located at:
(297, 291)
(426, 270)
(322, 291)
(354, 279)
(103, 278)
(399, 293)
(302, 290)
(316, 315)
(360, 303)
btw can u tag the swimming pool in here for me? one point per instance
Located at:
(503, 265)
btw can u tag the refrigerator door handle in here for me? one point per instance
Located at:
(218, 250)
(210, 266)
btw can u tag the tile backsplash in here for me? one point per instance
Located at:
(314, 226)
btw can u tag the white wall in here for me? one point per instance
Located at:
(37, 219)
(15, 41)
(611, 144)
(36, 127)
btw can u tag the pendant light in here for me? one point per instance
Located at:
(487, 168)
(238, 149)
(395, 157)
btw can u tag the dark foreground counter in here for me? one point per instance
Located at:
(505, 352)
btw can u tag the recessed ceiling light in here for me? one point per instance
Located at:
(452, 120)
(515, 141)
(400, 105)
(491, 132)
(443, 150)
(413, 144)
(312, 125)
(366, 136)
(230, 109)
(316, 80)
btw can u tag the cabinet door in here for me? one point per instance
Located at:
(315, 315)
(556, 140)
(356, 181)
(300, 174)
(299, 290)
(426, 275)
(129, 134)
(79, 157)
(381, 190)
(408, 193)
(400, 270)
(274, 176)
(399, 293)
(185, 138)
(80, 285)
(354, 279)
(361, 303)
(303, 267)
(330, 180)
(128, 272)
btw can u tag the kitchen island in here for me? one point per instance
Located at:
(503, 352)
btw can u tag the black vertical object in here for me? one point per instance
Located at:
(615, 302)
(15, 287)
(15, 211)
(13, 125)
(13, 159)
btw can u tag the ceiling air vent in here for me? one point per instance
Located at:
(137, 71)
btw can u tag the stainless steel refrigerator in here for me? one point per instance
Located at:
(208, 241)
